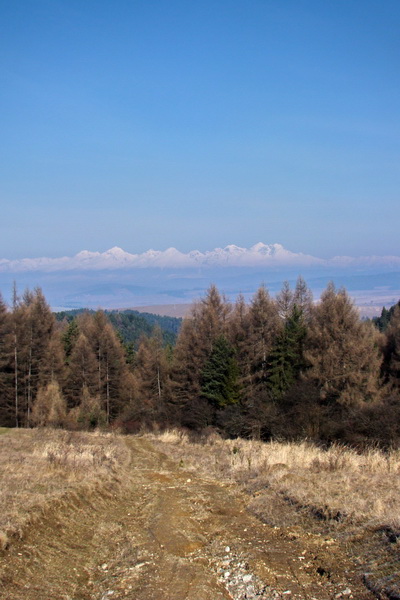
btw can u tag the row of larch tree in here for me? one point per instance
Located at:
(284, 367)
(57, 374)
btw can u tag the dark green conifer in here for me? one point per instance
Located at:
(70, 337)
(286, 359)
(220, 375)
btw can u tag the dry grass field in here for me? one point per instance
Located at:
(336, 484)
(348, 499)
(106, 515)
(43, 467)
(94, 509)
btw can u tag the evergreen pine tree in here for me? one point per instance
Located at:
(264, 328)
(219, 378)
(238, 334)
(70, 337)
(207, 321)
(286, 360)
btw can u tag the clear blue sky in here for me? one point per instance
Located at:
(197, 124)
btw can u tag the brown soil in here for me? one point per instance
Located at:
(170, 534)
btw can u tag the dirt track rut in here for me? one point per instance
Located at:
(171, 535)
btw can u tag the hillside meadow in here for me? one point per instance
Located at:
(42, 470)
(335, 484)
(339, 496)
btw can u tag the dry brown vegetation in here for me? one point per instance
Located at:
(337, 484)
(347, 498)
(95, 498)
(41, 468)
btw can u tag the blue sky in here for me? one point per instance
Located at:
(199, 124)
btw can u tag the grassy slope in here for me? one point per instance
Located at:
(41, 467)
(338, 483)
(348, 498)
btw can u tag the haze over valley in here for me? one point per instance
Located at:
(119, 279)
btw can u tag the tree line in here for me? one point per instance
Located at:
(132, 325)
(282, 367)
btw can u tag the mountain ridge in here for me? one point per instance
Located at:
(258, 255)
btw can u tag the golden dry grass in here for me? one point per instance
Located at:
(41, 467)
(337, 483)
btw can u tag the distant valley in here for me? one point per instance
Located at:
(119, 279)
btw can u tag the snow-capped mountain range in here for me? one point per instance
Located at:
(259, 255)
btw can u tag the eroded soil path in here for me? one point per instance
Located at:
(171, 535)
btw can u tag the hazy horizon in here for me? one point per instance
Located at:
(117, 279)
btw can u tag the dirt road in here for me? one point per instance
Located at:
(171, 535)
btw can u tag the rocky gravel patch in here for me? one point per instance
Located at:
(233, 571)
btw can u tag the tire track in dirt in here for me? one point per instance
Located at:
(169, 535)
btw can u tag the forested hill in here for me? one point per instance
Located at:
(131, 324)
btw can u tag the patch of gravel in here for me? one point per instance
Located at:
(233, 572)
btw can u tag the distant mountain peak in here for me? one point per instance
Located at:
(234, 249)
(84, 254)
(259, 246)
(116, 251)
